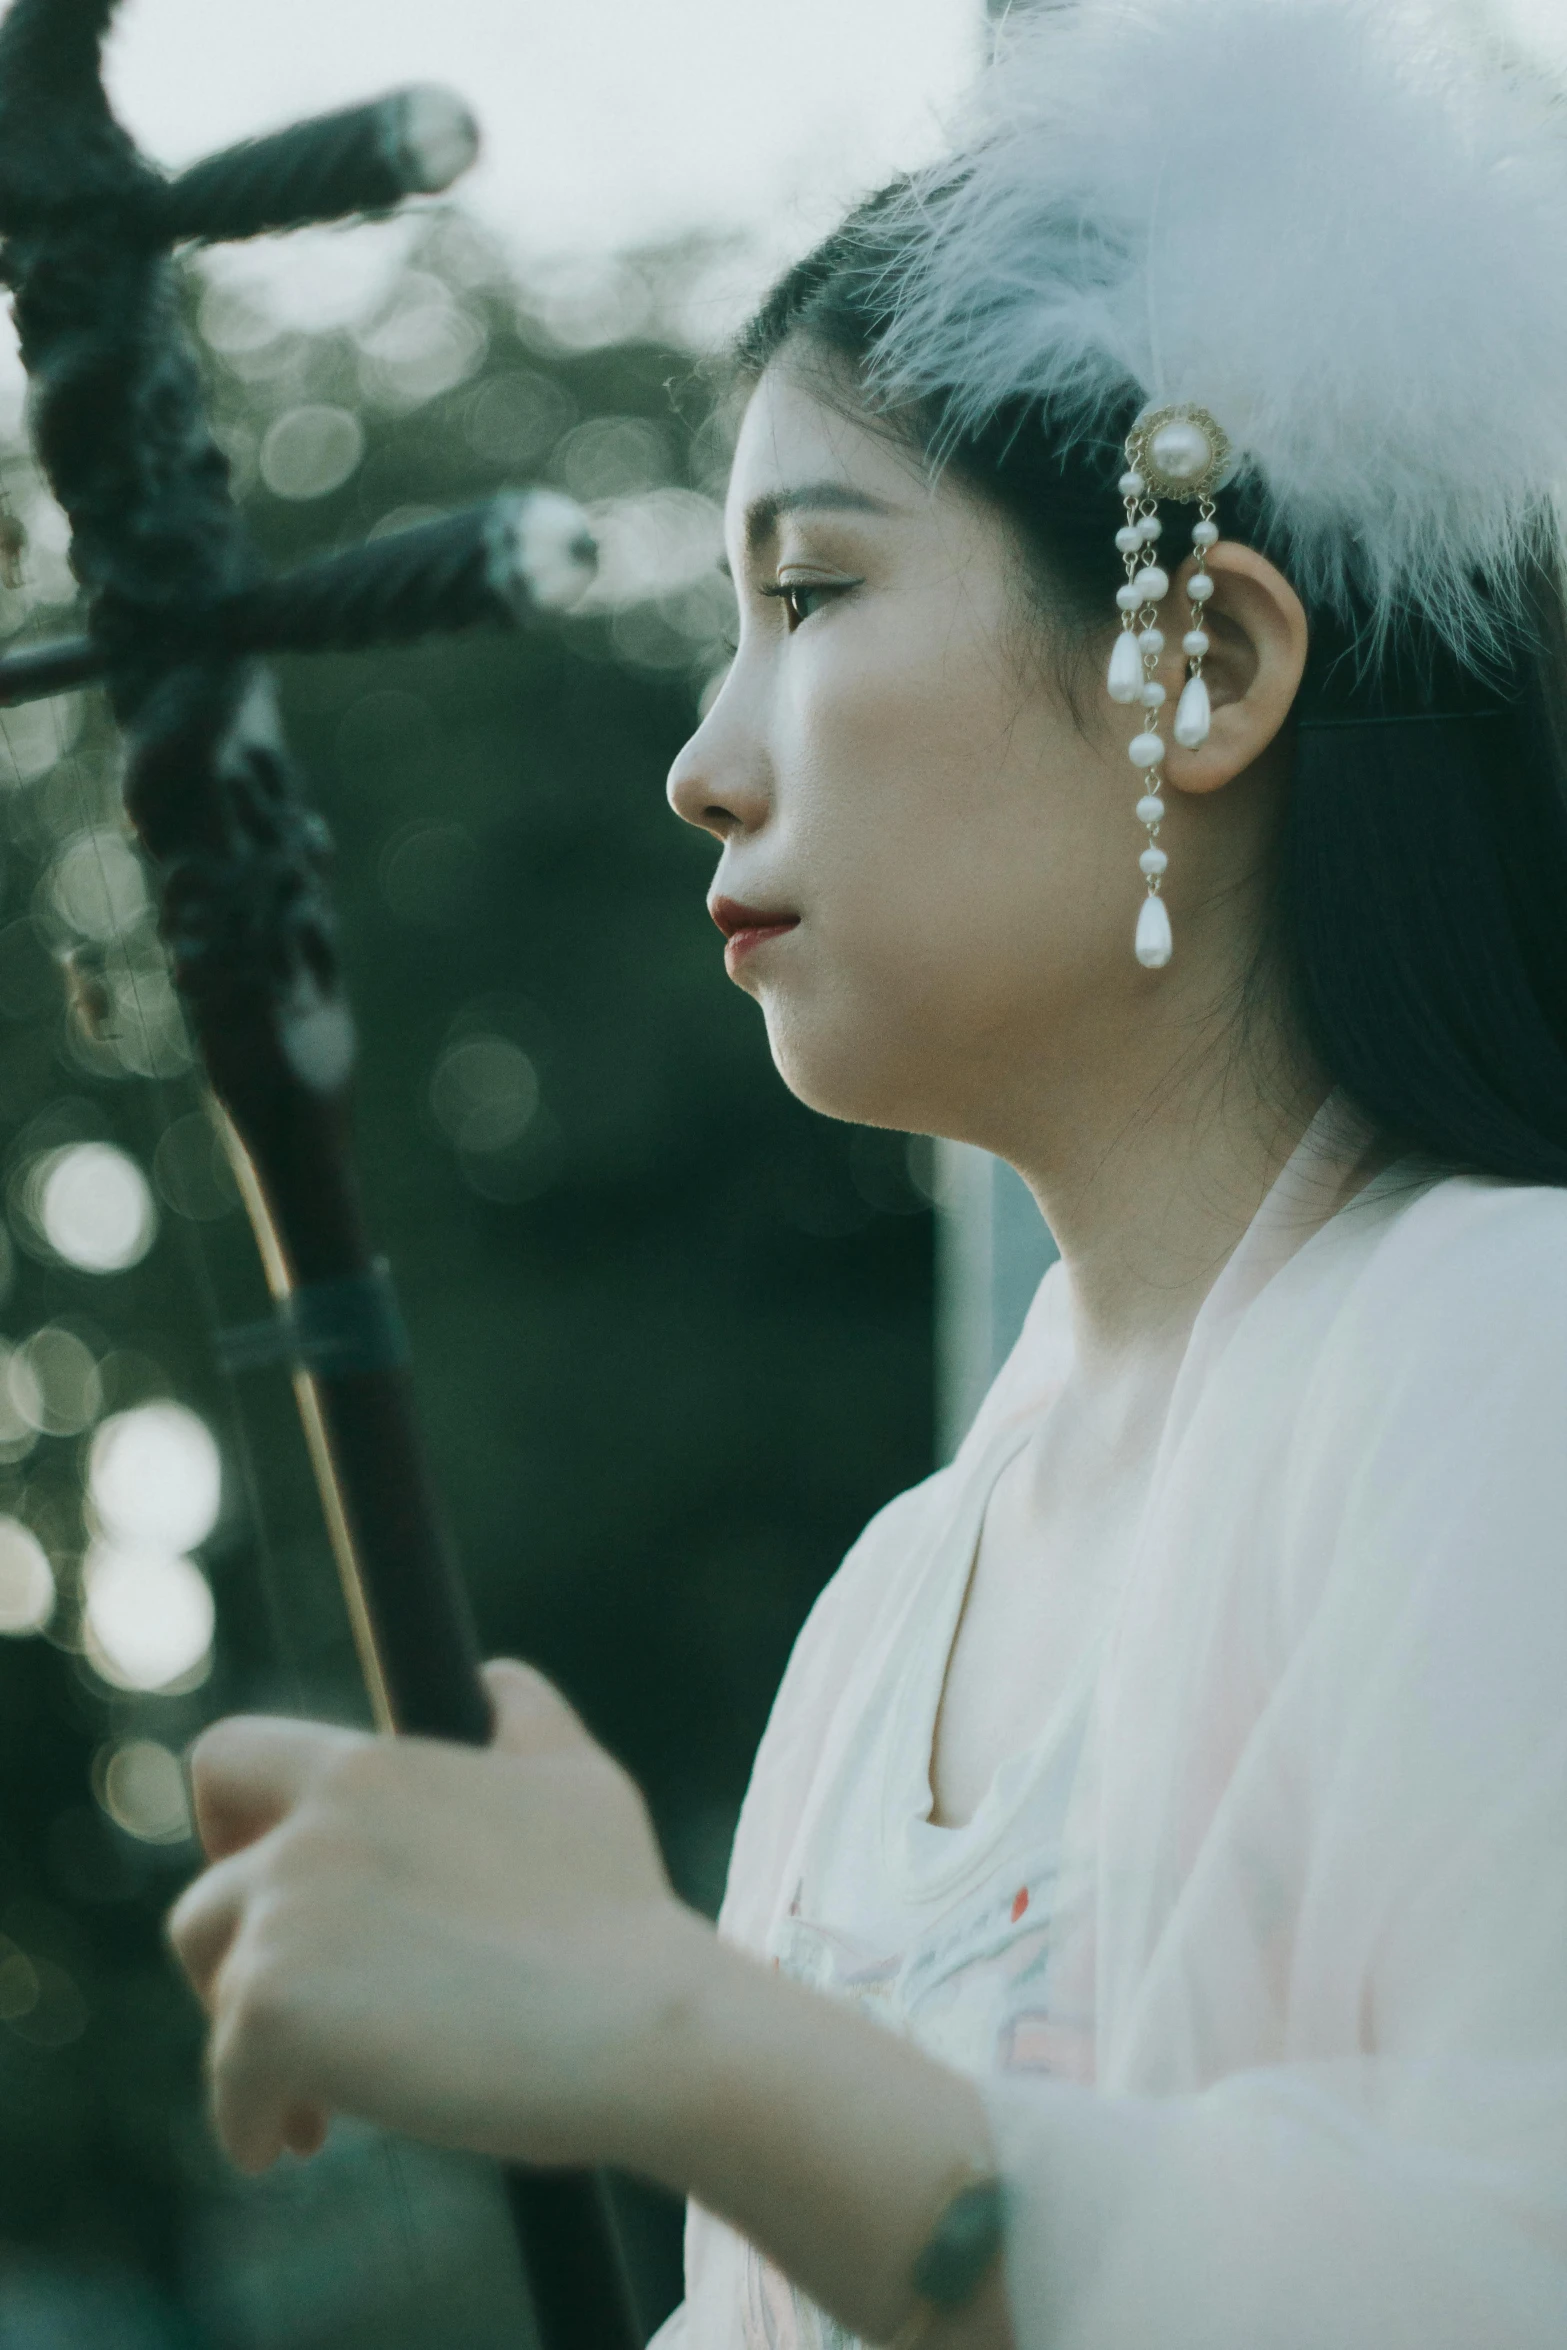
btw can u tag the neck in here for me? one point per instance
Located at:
(1149, 1174)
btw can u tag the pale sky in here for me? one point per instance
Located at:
(607, 122)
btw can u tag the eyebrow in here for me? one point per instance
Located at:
(764, 514)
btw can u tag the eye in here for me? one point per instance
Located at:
(801, 598)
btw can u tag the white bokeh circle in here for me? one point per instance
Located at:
(142, 1788)
(95, 1208)
(311, 450)
(148, 1618)
(155, 1478)
(26, 1580)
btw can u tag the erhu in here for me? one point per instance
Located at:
(178, 609)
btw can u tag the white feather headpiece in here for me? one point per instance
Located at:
(1338, 225)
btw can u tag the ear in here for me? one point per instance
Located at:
(1258, 632)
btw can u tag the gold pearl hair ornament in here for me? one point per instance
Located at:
(1182, 454)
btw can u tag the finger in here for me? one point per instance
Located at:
(205, 1920)
(249, 1772)
(256, 2056)
(531, 1716)
(253, 2104)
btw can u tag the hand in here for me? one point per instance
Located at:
(479, 1948)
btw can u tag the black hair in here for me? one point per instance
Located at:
(1419, 888)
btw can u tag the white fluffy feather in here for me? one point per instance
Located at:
(1341, 225)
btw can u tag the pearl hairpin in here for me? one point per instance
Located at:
(1180, 454)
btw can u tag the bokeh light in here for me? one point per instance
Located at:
(150, 1038)
(311, 450)
(429, 873)
(39, 2000)
(18, 1983)
(613, 457)
(658, 574)
(514, 419)
(26, 1581)
(484, 1093)
(18, 1433)
(427, 343)
(93, 1206)
(98, 885)
(155, 1478)
(142, 1788)
(147, 1618)
(37, 735)
(191, 1171)
(234, 321)
(661, 542)
(53, 1384)
(399, 518)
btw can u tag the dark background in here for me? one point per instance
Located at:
(672, 1331)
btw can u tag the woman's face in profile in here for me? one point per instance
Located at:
(929, 861)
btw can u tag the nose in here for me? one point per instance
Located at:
(719, 782)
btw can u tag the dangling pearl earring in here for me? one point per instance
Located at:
(1178, 453)
(1132, 679)
(1194, 711)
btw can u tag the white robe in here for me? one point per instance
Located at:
(1322, 1809)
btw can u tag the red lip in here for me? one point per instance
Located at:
(745, 928)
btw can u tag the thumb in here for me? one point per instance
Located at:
(531, 1716)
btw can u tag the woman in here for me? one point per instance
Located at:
(1182, 1774)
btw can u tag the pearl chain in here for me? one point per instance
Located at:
(1180, 452)
(1133, 680)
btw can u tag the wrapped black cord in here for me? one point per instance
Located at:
(499, 561)
(522, 553)
(364, 159)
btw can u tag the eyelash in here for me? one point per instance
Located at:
(787, 592)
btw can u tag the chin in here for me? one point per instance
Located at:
(851, 1069)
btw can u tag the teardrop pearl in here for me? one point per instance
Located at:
(1193, 716)
(1154, 945)
(1126, 669)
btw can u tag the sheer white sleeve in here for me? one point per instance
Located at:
(1332, 1929)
